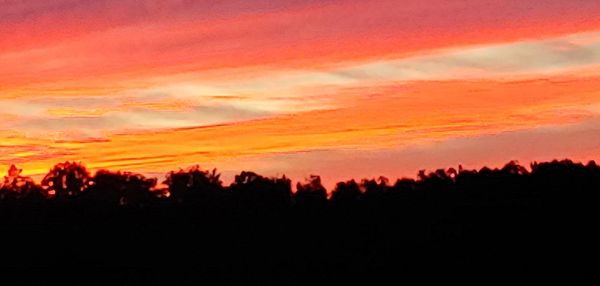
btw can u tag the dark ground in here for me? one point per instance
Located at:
(496, 228)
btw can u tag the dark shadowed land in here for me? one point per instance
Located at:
(513, 225)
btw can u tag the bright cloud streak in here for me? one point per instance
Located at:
(393, 117)
(186, 103)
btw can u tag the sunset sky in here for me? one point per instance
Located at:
(344, 89)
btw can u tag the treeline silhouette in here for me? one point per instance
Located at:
(506, 225)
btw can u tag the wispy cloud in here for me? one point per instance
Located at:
(187, 100)
(415, 114)
(111, 40)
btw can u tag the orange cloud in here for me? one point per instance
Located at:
(396, 116)
(97, 52)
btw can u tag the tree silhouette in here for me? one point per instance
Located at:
(123, 188)
(375, 189)
(346, 193)
(137, 190)
(66, 179)
(194, 184)
(491, 222)
(16, 186)
(311, 194)
(258, 192)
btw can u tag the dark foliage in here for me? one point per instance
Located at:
(194, 185)
(120, 189)
(512, 225)
(67, 179)
(312, 194)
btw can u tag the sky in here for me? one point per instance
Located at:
(341, 88)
